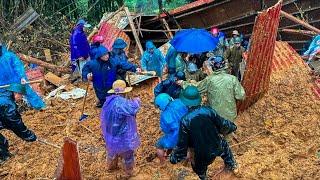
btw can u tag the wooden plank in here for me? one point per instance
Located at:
(47, 53)
(134, 31)
(58, 81)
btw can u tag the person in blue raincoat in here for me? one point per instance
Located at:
(313, 49)
(79, 46)
(102, 72)
(171, 113)
(119, 55)
(223, 42)
(152, 59)
(170, 86)
(171, 61)
(97, 41)
(12, 71)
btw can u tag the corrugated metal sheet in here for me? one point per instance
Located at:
(111, 33)
(259, 64)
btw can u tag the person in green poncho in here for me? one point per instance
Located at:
(222, 89)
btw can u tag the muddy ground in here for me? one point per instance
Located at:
(279, 137)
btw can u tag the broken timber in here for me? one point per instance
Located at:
(301, 22)
(33, 60)
(134, 31)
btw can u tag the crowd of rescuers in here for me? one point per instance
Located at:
(196, 97)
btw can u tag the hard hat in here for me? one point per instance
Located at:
(190, 96)
(162, 101)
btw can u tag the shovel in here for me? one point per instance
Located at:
(19, 88)
(83, 115)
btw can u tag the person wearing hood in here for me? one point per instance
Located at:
(171, 60)
(152, 59)
(119, 55)
(119, 127)
(12, 72)
(102, 72)
(234, 56)
(235, 35)
(79, 46)
(193, 73)
(97, 41)
(222, 42)
(201, 131)
(171, 113)
(222, 89)
(170, 86)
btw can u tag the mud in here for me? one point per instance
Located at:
(279, 137)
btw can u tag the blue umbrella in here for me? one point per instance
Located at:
(194, 41)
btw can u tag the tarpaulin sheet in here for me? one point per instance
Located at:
(259, 64)
(110, 33)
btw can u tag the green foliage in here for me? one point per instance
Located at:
(92, 10)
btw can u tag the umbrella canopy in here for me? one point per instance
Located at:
(194, 41)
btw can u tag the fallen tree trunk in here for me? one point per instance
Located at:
(33, 60)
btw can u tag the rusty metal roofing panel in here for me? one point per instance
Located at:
(259, 64)
(110, 33)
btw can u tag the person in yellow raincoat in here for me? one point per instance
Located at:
(222, 90)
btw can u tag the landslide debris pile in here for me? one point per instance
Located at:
(287, 118)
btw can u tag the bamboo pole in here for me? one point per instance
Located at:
(298, 21)
(134, 30)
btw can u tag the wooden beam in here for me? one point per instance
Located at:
(298, 21)
(33, 60)
(153, 30)
(134, 30)
(298, 31)
(166, 25)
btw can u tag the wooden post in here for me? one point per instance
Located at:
(298, 21)
(166, 25)
(134, 31)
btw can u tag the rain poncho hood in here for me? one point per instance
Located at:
(170, 119)
(12, 71)
(152, 61)
(150, 45)
(118, 124)
(222, 90)
(171, 57)
(79, 45)
(104, 72)
(222, 44)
